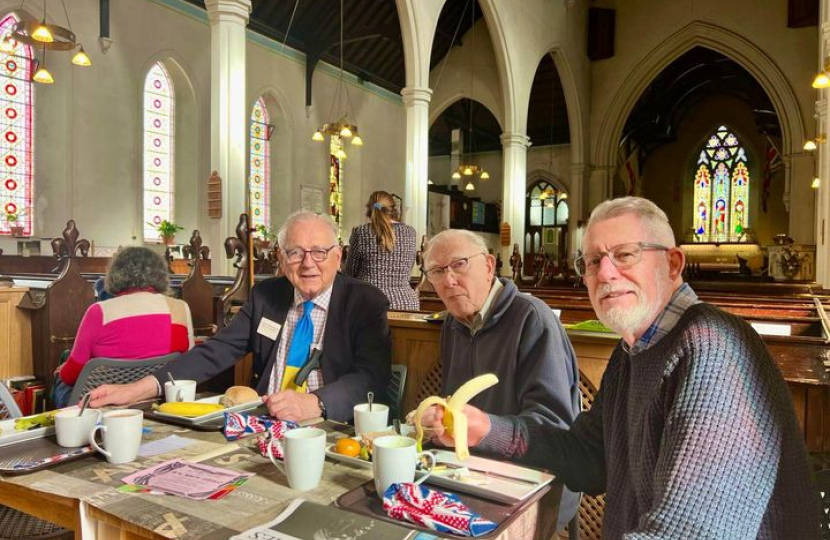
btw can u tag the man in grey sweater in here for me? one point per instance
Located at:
(493, 328)
(692, 434)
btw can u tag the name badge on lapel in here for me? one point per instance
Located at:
(268, 328)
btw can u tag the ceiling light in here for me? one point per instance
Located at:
(42, 33)
(822, 80)
(810, 145)
(341, 155)
(81, 59)
(430, 182)
(357, 141)
(816, 182)
(485, 175)
(469, 186)
(456, 175)
(318, 136)
(345, 132)
(468, 171)
(43, 76)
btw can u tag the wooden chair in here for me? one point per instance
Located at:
(394, 392)
(432, 383)
(100, 371)
(591, 509)
(13, 523)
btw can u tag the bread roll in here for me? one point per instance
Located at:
(237, 395)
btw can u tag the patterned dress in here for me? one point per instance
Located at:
(388, 271)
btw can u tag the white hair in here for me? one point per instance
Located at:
(453, 234)
(654, 219)
(301, 216)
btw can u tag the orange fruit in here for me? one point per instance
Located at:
(347, 447)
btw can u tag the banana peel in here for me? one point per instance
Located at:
(37, 421)
(455, 420)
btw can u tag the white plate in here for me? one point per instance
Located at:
(406, 430)
(509, 483)
(10, 436)
(214, 414)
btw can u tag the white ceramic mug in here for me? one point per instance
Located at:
(121, 436)
(304, 451)
(394, 459)
(181, 390)
(73, 430)
(366, 421)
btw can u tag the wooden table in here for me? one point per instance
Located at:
(66, 491)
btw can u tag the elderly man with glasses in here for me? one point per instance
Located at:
(320, 340)
(493, 328)
(693, 433)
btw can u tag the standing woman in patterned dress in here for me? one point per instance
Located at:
(382, 252)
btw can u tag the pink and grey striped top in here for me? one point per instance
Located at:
(132, 325)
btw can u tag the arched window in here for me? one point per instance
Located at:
(16, 135)
(546, 222)
(721, 190)
(260, 173)
(159, 122)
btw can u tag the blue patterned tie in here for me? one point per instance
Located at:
(299, 347)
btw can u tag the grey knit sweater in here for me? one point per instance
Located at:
(694, 437)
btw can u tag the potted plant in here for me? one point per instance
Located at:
(14, 220)
(167, 231)
(263, 236)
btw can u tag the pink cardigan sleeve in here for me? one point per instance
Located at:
(88, 332)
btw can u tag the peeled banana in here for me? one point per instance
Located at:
(188, 409)
(37, 421)
(455, 421)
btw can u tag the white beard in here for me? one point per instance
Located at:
(628, 320)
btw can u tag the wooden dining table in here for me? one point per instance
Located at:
(82, 494)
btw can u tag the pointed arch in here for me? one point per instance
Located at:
(159, 150)
(259, 165)
(17, 115)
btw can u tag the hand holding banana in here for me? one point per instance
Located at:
(454, 416)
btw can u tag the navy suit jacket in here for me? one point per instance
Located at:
(357, 344)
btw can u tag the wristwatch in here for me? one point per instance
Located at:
(322, 406)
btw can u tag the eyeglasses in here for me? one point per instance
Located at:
(457, 267)
(296, 255)
(621, 256)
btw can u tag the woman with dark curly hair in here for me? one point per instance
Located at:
(382, 252)
(139, 322)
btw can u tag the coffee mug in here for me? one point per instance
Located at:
(73, 430)
(394, 459)
(304, 451)
(181, 390)
(366, 421)
(121, 435)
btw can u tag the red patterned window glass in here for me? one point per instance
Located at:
(16, 136)
(258, 182)
(159, 122)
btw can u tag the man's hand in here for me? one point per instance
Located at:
(292, 405)
(478, 425)
(124, 394)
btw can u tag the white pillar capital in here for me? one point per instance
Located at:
(230, 11)
(414, 96)
(514, 139)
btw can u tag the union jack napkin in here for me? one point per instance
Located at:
(435, 510)
(238, 425)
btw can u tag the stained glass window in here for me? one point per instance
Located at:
(721, 190)
(159, 122)
(259, 180)
(16, 136)
(336, 181)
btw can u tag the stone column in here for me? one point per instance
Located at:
(514, 187)
(416, 103)
(822, 198)
(228, 109)
(576, 206)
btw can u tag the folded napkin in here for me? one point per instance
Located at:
(238, 425)
(436, 510)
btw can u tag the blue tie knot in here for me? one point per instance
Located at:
(307, 306)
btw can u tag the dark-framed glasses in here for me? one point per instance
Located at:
(621, 256)
(457, 267)
(317, 254)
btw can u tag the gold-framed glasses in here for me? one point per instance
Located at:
(621, 256)
(457, 267)
(296, 255)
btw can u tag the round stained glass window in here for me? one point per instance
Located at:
(156, 219)
(157, 84)
(157, 103)
(11, 65)
(11, 113)
(11, 136)
(156, 142)
(256, 179)
(11, 161)
(257, 195)
(157, 162)
(157, 181)
(11, 208)
(257, 146)
(157, 123)
(11, 185)
(11, 89)
(257, 212)
(156, 200)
